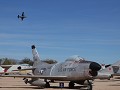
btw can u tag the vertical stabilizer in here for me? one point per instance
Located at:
(36, 58)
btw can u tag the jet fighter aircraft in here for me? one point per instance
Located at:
(22, 16)
(74, 69)
(109, 71)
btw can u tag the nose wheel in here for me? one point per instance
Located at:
(89, 86)
(71, 85)
(47, 85)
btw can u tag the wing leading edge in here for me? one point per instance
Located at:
(35, 76)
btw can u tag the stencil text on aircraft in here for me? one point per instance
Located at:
(66, 69)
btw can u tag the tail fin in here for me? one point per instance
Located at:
(116, 67)
(18, 16)
(36, 58)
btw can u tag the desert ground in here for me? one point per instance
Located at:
(9, 83)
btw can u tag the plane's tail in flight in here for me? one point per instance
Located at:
(18, 16)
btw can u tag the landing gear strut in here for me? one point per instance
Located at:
(89, 85)
(47, 85)
(71, 85)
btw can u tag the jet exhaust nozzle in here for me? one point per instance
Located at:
(33, 46)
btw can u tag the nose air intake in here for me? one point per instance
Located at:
(19, 68)
(94, 68)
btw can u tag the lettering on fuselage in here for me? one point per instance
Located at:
(66, 69)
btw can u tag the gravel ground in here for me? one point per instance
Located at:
(9, 83)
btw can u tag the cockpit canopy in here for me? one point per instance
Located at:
(77, 58)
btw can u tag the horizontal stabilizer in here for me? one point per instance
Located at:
(24, 69)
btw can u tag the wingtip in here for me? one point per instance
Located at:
(33, 46)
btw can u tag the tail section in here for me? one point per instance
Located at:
(36, 58)
(116, 68)
(18, 16)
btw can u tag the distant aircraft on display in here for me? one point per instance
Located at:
(14, 69)
(1, 70)
(109, 71)
(74, 69)
(22, 16)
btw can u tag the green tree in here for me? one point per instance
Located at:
(26, 61)
(50, 61)
(8, 61)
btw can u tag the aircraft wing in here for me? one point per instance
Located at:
(35, 76)
(25, 69)
(6, 66)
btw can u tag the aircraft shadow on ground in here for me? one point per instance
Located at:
(16, 87)
(75, 88)
(52, 87)
(108, 80)
(118, 84)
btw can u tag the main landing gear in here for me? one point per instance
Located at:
(71, 85)
(88, 86)
(47, 85)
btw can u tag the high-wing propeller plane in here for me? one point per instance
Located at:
(74, 69)
(22, 16)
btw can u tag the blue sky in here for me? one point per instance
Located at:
(61, 28)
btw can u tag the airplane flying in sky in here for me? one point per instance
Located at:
(22, 16)
(74, 69)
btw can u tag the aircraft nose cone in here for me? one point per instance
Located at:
(95, 66)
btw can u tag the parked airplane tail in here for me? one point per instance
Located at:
(36, 58)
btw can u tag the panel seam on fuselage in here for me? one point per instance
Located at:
(53, 68)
